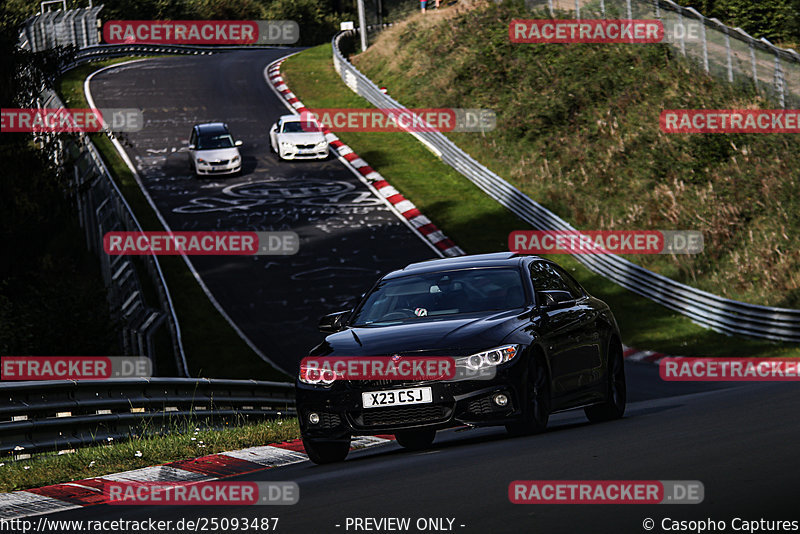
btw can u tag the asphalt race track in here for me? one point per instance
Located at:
(739, 440)
(349, 237)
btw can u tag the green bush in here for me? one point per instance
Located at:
(775, 20)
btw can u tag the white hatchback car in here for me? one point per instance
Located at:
(295, 138)
(212, 150)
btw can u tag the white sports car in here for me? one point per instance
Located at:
(295, 138)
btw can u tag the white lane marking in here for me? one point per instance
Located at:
(158, 473)
(25, 504)
(124, 155)
(268, 456)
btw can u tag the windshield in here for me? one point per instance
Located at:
(210, 142)
(300, 126)
(418, 297)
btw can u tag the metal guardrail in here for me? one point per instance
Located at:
(101, 52)
(66, 414)
(706, 309)
(102, 208)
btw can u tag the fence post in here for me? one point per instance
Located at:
(755, 65)
(730, 59)
(629, 8)
(705, 44)
(550, 6)
(658, 9)
(577, 9)
(780, 81)
(603, 8)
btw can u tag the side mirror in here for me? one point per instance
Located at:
(191, 147)
(238, 143)
(553, 297)
(274, 128)
(333, 322)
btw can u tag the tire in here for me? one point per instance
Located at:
(537, 410)
(326, 452)
(415, 440)
(614, 406)
(193, 169)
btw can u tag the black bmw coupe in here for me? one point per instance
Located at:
(550, 346)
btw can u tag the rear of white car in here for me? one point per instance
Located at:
(213, 151)
(294, 138)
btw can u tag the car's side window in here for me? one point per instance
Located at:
(574, 287)
(193, 138)
(545, 278)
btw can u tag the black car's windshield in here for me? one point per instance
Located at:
(418, 297)
(211, 142)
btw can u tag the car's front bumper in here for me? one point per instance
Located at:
(303, 153)
(469, 402)
(228, 168)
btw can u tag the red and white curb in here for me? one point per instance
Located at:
(71, 495)
(644, 356)
(418, 222)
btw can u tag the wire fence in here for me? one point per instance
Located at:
(75, 27)
(723, 52)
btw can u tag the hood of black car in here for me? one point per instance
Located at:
(445, 337)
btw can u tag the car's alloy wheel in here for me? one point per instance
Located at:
(537, 411)
(326, 452)
(614, 406)
(415, 440)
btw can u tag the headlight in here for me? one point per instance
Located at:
(200, 160)
(322, 144)
(489, 358)
(235, 159)
(284, 144)
(316, 376)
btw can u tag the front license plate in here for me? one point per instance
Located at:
(396, 397)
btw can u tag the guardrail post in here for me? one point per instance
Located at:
(755, 65)
(629, 9)
(577, 9)
(550, 6)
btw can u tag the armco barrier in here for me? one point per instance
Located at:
(709, 310)
(102, 208)
(65, 414)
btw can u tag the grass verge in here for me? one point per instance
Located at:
(185, 440)
(212, 347)
(479, 224)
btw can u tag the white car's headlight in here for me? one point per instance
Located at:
(489, 358)
(200, 160)
(235, 159)
(284, 144)
(322, 144)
